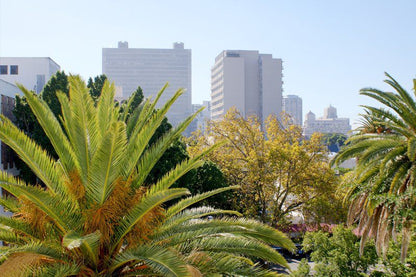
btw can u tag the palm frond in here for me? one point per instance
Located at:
(161, 260)
(184, 203)
(36, 158)
(107, 163)
(147, 203)
(52, 129)
(88, 244)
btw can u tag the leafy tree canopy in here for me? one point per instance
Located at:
(334, 141)
(339, 254)
(278, 172)
(96, 216)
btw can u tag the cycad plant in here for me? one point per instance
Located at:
(382, 191)
(96, 216)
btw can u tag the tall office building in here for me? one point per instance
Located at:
(292, 106)
(248, 81)
(150, 69)
(31, 72)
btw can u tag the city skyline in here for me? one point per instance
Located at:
(329, 50)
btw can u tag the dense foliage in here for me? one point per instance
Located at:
(96, 216)
(196, 180)
(334, 141)
(338, 255)
(279, 173)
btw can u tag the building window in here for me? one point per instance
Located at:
(14, 70)
(3, 69)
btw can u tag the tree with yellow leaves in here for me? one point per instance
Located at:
(278, 171)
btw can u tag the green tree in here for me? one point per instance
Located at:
(96, 86)
(303, 270)
(334, 141)
(205, 178)
(381, 189)
(339, 254)
(97, 217)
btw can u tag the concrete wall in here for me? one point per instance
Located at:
(33, 72)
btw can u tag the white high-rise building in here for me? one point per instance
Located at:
(32, 72)
(292, 106)
(247, 80)
(150, 69)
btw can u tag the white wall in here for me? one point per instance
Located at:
(33, 72)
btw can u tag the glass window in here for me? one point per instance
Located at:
(3, 69)
(14, 69)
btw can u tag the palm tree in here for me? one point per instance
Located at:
(96, 216)
(382, 186)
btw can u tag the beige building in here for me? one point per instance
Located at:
(292, 106)
(329, 123)
(150, 69)
(247, 80)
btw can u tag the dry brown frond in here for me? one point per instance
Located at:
(198, 257)
(145, 227)
(104, 218)
(18, 265)
(86, 272)
(75, 186)
(194, 271)
(35, 217)
(356, 208)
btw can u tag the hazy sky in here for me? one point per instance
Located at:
(330, 49)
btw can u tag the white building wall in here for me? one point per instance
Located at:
(150, 69)
(271, 74)
(248, 81)
(33, 72)
(234, 85)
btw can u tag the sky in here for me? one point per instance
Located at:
(330, 49)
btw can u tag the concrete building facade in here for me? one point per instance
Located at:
(292, 106)
(329, 123)
(201, 120)
(247, 80)
(150, 69)
(31, 72)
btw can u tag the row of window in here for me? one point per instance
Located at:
(14, 69)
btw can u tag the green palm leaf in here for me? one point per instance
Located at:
(161, 260)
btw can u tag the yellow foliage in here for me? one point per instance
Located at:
(278, 170)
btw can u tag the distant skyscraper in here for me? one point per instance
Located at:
(247, 80)
(200, 122)
(330, 123)
(33, 73)
(150, 69)
(292, 106)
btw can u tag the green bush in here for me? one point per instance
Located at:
(338, 255)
